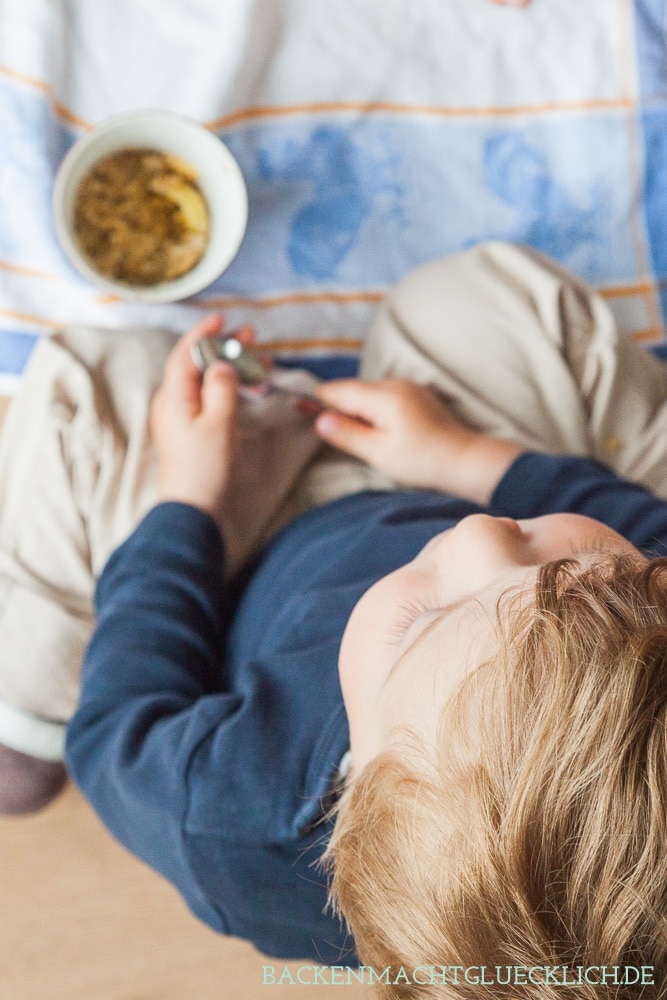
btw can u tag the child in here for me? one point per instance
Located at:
(484, 681)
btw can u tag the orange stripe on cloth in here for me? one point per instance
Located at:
(312, 344)
(395, 107)
(46, 88)
(652, 334)
(328, 107)
(24, 78)
(69, 116)
(305, 298)
(29, 272)
(108, 300)
(625, 291)
(27, 318)
(288, 299)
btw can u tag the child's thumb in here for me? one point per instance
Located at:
(219, 392)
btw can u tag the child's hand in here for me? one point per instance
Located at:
(407, 431)
(403, 429)
(192, 422)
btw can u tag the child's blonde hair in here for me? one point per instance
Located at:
(544, 840)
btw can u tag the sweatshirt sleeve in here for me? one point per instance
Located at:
(151, 687)
(537, 484)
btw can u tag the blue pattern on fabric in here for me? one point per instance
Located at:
(348, 202)
(362, 204)
(34, 141)
(654, 123)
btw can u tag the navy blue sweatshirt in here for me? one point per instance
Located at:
(211, 723)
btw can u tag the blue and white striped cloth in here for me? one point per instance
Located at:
(373, 135)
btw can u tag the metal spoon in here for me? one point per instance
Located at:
(251, 372)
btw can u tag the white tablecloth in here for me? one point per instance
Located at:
(372, 134)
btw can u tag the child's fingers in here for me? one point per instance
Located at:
(182, 379)
(206, 327)
(245, 335)
(210, 325)
(353, 436)
(367, 400)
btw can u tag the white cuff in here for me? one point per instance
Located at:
(30, 734)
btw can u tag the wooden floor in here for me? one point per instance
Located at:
(80, 919)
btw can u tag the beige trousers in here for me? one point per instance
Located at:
(519, 347)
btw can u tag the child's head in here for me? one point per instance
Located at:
(510, 799)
